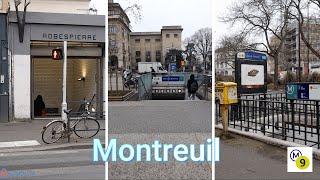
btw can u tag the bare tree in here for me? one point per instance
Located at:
(229, 45)
(190, 51)
(202, 41)
(263, 18)
(134, 11)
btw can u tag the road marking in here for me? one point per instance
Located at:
(19, 143)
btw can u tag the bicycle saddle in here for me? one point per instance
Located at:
(68, 111)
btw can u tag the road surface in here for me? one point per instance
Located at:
(62, 164)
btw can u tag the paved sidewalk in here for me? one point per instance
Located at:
(243, 158)
(171, 169)
(31, 131)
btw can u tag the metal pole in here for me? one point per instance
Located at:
(308, 56)
(299, 53)
(224, 111)
(64, 84)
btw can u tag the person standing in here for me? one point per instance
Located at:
(192, 86)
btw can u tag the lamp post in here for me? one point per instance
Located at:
(308, 53)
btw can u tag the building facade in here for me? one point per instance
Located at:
(153, 46)
(224, 62)
(32, 71)
(4, 63)
(56, 6)
(119, 37)
(291, 46)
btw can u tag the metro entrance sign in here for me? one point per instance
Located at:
(304, 91)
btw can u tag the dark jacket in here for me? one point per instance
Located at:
(38, 106)
(190, 81)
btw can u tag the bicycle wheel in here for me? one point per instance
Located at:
(87, 128)
(53, 132)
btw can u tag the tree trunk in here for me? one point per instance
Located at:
(276, 71)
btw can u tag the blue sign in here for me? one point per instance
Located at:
(303, 91)
(173, 67)
(298, 91)
(252, 56)
(172, 78)
(292, 91)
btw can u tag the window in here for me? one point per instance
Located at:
(123, 48)
(167, 35)
(111, 12)
(148, 56)
(112, 44)
(158, 56)
(112, 29)
(175, 35)
(138, 54)
(137, 40)
(147, 40)
(158, 40)
(226, 73)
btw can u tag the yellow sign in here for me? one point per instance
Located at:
(226, 92)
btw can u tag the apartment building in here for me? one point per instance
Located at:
(119, 36)
(153, 46)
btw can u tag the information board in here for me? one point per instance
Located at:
(251, 72)
(303, 91)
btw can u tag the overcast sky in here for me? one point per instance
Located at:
(190, 14)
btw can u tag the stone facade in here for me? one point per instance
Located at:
(119, 37)
(153, 46)
(55, 6)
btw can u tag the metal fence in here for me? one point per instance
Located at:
(274, 116)
(145, 86)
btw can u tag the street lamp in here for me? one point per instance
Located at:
(308, 39)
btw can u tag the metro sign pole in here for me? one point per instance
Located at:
(64, 84)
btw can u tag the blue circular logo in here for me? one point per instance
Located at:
(295, 154)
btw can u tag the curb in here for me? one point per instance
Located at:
(272, 141)
(51, 147)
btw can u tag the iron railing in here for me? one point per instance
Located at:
(274, 116)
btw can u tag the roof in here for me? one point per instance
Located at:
(117, 5)
(172, 28)
(144, 33)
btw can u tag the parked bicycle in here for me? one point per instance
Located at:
(84, 126)
(131, 81)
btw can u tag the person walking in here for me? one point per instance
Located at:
(192, 86)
